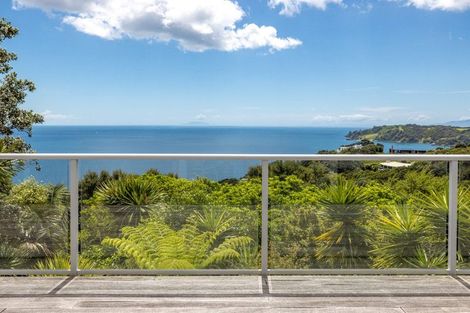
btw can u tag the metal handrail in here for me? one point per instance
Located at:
(234, 157)
(74, 159)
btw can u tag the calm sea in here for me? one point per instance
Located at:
(167, 139)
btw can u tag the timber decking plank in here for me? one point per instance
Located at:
(323, 294)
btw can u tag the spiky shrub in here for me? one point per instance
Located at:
(464, 225)
(424, 259)
(203, 242)
(436, 204)
(61, 261)
(400, 232)
(36, 220)
(9, 256)
(131, 196)
(344, 212)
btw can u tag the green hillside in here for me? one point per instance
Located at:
(411, 133)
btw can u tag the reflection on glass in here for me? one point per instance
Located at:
(162, 221)
(357, 215)
(463, 204)
(34, 215)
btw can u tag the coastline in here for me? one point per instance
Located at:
(164, 139)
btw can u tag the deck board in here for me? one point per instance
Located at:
(387, 294)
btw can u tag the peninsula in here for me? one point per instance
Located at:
(412, 133)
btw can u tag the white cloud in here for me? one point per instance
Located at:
(54, 5)
(292, 7)
(204, 117)
(250, 108)
(363, 89)
(50, 116)
(343, 118)
(435, 92)
(201, 117)
(363, 7)
(446, 5)
(196, 25)
(379, 109)
(411, 91)
(418, 117)
(455, 92)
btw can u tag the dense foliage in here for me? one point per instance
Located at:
(435, 134)
(321, 215)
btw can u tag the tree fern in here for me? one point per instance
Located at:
(154, 245)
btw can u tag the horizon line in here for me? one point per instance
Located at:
(241, 126)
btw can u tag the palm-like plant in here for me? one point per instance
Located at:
(132, 196)
(344, 243)
(37, 221)
(200, 243)
(436, 204)
(9, 256)
(58, 196)
(423, 259)
(61, 261)
(399, 233)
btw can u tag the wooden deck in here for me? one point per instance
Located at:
(374, 294)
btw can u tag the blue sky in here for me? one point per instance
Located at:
(259, 62)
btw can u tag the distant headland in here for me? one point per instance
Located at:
(411, 133)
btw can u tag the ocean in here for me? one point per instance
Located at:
(178, 139)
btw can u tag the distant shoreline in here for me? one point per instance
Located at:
(198, 126)
(436, 135)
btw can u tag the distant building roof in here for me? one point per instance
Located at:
(394, 164)
(406, 151)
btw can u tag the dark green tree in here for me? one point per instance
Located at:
(13, 119)
(13, 92)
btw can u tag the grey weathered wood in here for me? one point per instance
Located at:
(387, 294)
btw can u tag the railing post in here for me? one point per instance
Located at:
(452, 220)
(73, 188)
(264, 215)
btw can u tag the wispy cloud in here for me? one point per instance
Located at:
(363, 7)
(381, 109)
(357, 117)
(434, 92)
(419, 117)
(206, 118)
(293, 7)
(50, 116)
(250, 108)
(361, 89)
(444, 5)
(455, 92)
(411, 91)
(201, 117)
(373, 114)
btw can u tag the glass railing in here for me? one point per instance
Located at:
(233, 214)
(34, 215)
(463, 218)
